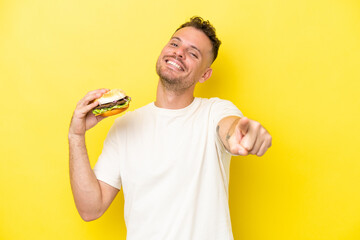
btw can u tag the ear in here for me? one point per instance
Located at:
(206, 75)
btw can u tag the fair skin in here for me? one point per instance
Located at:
(190, 51)
(92, 197)
(183, 62)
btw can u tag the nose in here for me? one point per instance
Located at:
(179, 53)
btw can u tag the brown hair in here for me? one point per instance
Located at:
(208, 29)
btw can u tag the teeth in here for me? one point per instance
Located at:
(174, 64)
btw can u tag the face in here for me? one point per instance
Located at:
(185, 60)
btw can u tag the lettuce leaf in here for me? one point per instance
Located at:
(101, 111)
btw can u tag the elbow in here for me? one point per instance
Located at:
(89, 212)
(88, 217)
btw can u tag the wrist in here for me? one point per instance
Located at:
(74, 136)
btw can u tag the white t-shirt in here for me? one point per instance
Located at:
(174, 171)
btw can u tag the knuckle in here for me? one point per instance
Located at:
(233, 149)
(257, 126)
(259, 154)
(248, 147)
(263, 131)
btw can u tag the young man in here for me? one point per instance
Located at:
(171, 157)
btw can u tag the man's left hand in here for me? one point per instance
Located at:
(243, 136)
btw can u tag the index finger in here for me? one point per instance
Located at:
(243, 125)
(92, 95)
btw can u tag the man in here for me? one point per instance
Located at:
(171, 157)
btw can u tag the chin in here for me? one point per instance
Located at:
(167, 75)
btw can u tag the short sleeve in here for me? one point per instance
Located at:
(107, 168)
(223, 108)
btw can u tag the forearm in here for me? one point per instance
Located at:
(226, 130)
(85, 187)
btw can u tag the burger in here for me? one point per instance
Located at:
(112, 102)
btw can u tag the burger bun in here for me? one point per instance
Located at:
(111, 96)
(114, 112)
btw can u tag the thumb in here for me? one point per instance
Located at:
(99, 118)
(243, 125)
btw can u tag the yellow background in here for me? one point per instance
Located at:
(294, 66)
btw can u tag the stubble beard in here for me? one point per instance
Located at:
(171, 83)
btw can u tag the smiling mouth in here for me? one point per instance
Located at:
(174, 64)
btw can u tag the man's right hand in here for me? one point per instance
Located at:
(83, 119)
(92, 197)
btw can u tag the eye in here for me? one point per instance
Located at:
(173, 44)
(193, 55)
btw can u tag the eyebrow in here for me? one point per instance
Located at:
(192, 46)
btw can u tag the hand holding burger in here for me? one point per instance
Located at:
(95, 106)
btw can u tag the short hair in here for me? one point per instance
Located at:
(206, 27)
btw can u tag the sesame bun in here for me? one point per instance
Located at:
(110, 96)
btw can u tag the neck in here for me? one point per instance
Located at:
(173, 100)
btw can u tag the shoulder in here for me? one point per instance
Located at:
(212, 100)
(216, 102)
(219, 108)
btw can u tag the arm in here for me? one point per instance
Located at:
(243, 136)
(92, 197)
